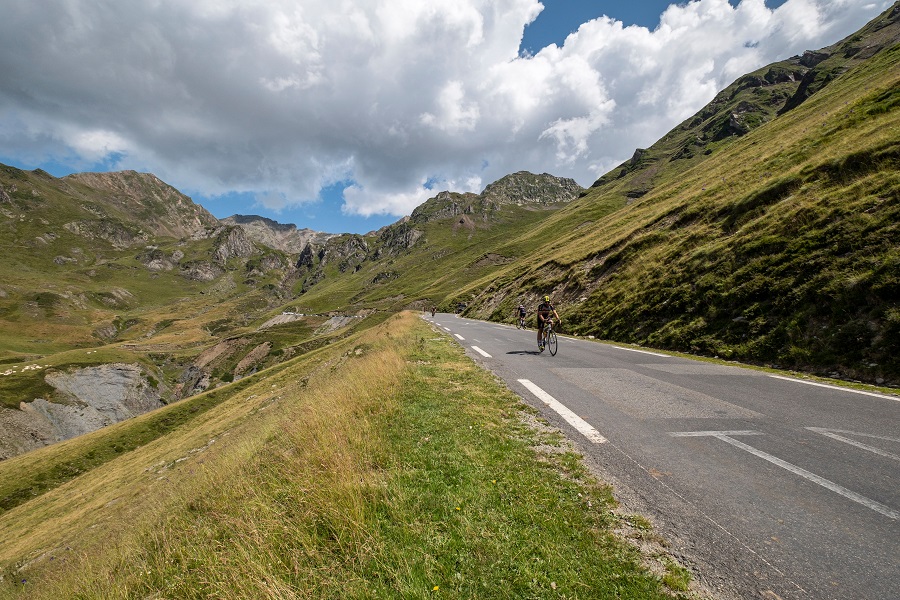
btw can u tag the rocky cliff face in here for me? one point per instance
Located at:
(232, 243)
(85, 400)
(286, 238)
(527, 188)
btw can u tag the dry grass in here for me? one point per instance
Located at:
(384, 465)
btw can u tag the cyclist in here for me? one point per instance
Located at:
(521, 312)
(544, 311)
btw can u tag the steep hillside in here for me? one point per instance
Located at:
(119, 282)
(143, 198)
(780, 246)
(444, 244)
(751, 101)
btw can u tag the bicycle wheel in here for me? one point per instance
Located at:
(551, 343)
(518, 323)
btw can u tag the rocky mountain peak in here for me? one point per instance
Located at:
(285, 237)
(527, 188)
(145, 197)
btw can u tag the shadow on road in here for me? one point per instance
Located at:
(534, 352)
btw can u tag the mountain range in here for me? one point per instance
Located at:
(762, 229)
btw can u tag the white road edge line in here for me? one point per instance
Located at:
(461, 338)
(836, 387)
(641, 351)
(825, 483)
(481, 352)
(571, 418)
(833, 434)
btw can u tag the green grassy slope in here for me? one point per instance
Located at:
(122, 268)
(763, 229)
(386, 465)
(458, 238)
(779, 247)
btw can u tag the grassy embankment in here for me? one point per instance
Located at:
(780, 248)
(384, 465)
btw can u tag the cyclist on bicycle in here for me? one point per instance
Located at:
(520, 314)
(544, 311)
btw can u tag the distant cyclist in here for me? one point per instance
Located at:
(545, 310)
(520, 313)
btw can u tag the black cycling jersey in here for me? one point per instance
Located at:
(544, 310)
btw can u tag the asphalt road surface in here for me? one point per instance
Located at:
(766, 487)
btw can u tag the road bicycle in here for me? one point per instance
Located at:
(520, 323)
(548, 337)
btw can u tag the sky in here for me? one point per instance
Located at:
(344, 115)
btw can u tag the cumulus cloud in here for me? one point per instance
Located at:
(281, 99)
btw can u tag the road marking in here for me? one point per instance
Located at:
(832, 433)
(836, 387)
(712, 433)
(461, 338)
(571, 418)
(641, 351)
(825, 483)
(446, 328)
(481, 352)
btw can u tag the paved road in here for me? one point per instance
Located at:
(769, 487)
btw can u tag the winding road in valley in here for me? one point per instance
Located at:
(768, 487)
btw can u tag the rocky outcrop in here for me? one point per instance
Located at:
(193, 380)
(201, 270)
(527, 188)
(286, 238)
(350, 252)
(119, 234)
(157, 260)
(85, 400)
(825, 65)
(307, 258)
(402, 236)
(446, 205)
(233, 243)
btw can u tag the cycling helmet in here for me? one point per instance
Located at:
(546, 298)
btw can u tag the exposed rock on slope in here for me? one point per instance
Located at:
(286, 238)
(233, 243)
(159, 206)
(86, 399)
(527, 188)
(460, 211)
(751, 101)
